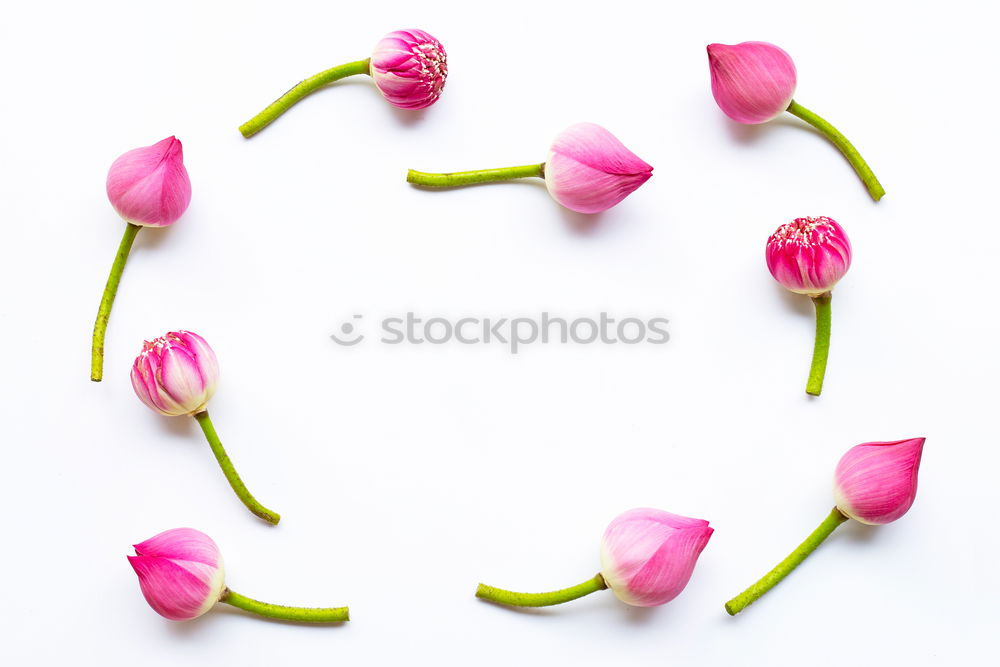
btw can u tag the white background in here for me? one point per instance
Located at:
(407, 474)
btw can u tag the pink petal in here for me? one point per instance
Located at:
(752, 82)
(876, 482)
(150, 186)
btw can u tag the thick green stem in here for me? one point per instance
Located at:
(513, 599)
(301, 614)
(875, 188)
(452, 179)
(781, 570)
(230, 471)
(107, 300)
(821, 348)
(301, 89)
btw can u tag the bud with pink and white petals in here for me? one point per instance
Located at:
(409, 67)
(876, 482)
(752, 82)
(181, 576)
(149, 186)
(588, 170)
(648, 555)
(809, 255)
(176, 374)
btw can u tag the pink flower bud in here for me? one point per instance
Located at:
(409, 67)
(588, 170)
(647, 555)
(180, 573)
(876, 482)
(752, 82)
(150, 186)
(809, 255)
(176, 374)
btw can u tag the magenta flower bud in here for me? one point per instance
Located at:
(409, 68)
(648, 555)
(875, 483)
(180, 573)
(176, 374)
(150, 186)
(588, 171)
(752, 82)
(181, 576)
(809, 256)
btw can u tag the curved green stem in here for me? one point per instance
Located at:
(230, 471)
(108, 300)
(448, 180)
(513, 599)
(821, 348)
(781, 570)
(301, 614)
(300, 90)
(875, 188)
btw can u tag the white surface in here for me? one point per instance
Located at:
(406, 474)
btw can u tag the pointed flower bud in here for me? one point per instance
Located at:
(809, 256)
(176, 374)
(588, 171)
(409, 68)
(180, 573)
(875, 483)
(149, 186)
(181, 576)
(752, 82)
(648, 555)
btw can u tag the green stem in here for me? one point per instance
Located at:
(230, 471)
(875, 188)
(513, 599)
(107, 300)
(452, 179)
(821, 348)
(301, 614)
(300, 90)
(781, 570)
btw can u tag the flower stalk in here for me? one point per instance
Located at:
(821, 347)
(512, 599)
(108, 300)
(284, 613)
(458, 178)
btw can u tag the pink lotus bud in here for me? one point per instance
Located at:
(180, 573)
(809, 255)
(752, 82)
(647, 555)
(876, 482)
(409, 67)
(176, 374)
(589, 170)
(150, 186)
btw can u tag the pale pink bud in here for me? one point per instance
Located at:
(876, 482)
(588, 170)
(752, 82)
(176, 374)
(180, 573)
(150, 186)
(409, 67)
(809, 255)
(647, 555)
